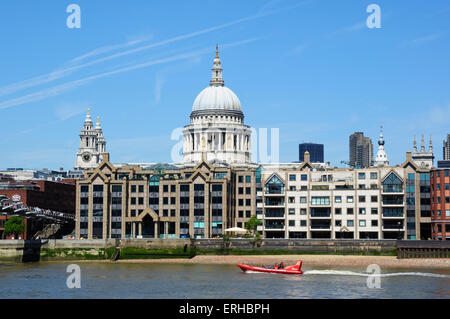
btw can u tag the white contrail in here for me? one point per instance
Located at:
(60, 73)
(59, 89)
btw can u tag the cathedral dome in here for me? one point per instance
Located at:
(217, 98)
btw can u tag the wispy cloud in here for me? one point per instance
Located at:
(158, 88)
(297, 49)
(59, 89)
(351, 28)
(422, 40)
(66, 111)
(74, 64)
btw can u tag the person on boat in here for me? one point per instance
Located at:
(281, 266)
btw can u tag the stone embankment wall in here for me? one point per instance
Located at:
(23, 251)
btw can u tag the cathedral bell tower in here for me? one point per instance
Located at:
(92, 145)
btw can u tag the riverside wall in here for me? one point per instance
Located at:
(47, 250)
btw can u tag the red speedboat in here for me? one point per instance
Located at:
(291, 270)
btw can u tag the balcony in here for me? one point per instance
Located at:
(320, 215)
(393, 214)
(274, 201)
(392, 189)
(393, 225)
(274, 225)
(278, 213)
(320, 225)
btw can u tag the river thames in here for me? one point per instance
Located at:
(186, 281)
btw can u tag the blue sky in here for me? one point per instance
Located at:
(310, 68)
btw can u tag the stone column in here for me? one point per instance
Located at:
(166, 229)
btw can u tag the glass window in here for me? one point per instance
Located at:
(349, 211)
(362, 223)
(349, 199)
(274, 186)
(362, 199)
(361, 175)
(303, 211)
(292, 177)
(338, 211)
(411, 176)
(447, 213)
(304, 177)
(291, 211)
(373, 175)
(292, 223)
(98, 188)
(374, 199)
(446, 173)
(350, 223)
(393, 184)
(337, 199)
(320, 201)
(338, 223)
(362, 211)
(248, 179)
(303, 223)
(374, 211)
(374, 223)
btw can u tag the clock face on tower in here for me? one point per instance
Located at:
(86, 157)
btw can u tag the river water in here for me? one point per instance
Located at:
(186, 281)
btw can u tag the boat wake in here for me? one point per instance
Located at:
(352, 273)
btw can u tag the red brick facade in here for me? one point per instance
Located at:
(55, 196)
(440, 204)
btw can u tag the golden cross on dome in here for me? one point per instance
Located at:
(217, 51)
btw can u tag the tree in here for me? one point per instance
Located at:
(253, 223)
(15, 225)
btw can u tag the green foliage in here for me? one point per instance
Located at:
(15, 225)
(253, 223)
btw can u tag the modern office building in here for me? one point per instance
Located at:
(316, 152)
(292, 201)
(440, 204)
(360, 150)
(446, 149)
